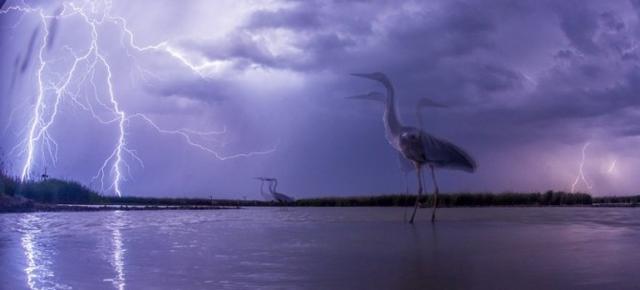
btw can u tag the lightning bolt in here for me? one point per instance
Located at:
(581, 176)
(38, 127)
(612, 167)
(52, 93)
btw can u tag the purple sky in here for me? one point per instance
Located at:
(527, 84)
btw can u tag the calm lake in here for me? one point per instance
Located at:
(322, 248)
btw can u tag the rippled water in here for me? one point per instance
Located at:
(322, 248)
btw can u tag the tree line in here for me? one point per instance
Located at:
(55, 191)
(549, 198)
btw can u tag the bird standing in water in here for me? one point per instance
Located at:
(417, 146)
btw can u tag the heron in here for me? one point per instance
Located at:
(275, 195)
(405, 165)
(417, 146)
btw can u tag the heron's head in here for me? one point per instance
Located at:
(411, 136)
(426, 102)
(372, 96)
(376, 76)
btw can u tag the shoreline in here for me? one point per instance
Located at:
(114, 207)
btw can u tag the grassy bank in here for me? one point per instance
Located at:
(48, 195)
(549, 198)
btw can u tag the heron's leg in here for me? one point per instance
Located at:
(406, 183)
(435, 193)
(406, 192)
(424, 183)
(415, 208)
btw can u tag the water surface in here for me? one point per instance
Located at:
(322, 248)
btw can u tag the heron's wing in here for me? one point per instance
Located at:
(372, 96)
(405, 164)
(445, 154)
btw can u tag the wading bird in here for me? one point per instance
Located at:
(275, 195)
(417, 146)
(405, 165)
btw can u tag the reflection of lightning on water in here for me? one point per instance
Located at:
(51, 93)
(117, 260)
(581, 176)
(38, 269)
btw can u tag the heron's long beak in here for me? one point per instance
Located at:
(358, 97)
(373, 96)
(363, 75)
(426, 102)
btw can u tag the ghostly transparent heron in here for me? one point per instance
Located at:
(405, 165)
(417, 146)
(274, 194)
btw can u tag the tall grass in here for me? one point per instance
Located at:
(457, 199)
(8, 184)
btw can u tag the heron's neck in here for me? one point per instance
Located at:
(391, 122)
(419, 117)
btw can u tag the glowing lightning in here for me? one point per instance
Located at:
(43, 117)
(581, 176)
(612, 167)
(37, 130)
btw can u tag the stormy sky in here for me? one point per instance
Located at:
(527, 85)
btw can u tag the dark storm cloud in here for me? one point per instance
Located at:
(302, 17)
(636, 6)
(208, 90)
(239, 48)
(579, 23)
(524, 80)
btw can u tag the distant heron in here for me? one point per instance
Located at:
(262, 180)
(417, 146)
(275, 195)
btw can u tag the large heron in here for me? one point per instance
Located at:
(405, 165)
(275, 195)
(417, 146)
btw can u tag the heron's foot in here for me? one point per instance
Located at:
(413, 217)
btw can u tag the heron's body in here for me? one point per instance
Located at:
(417, 146)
